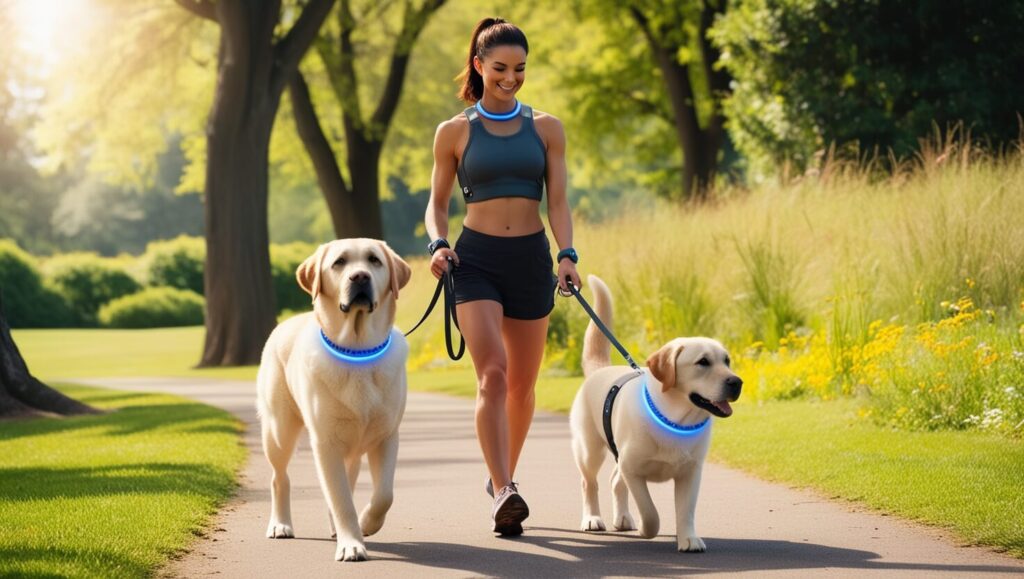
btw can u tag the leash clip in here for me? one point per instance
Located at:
(573, 290)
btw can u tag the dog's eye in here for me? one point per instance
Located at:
(339, 262)
(703, 362)
(374, 259)
(727, 361)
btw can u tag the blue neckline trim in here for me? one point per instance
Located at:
(673, 427)
(355, 356)
(502, 116)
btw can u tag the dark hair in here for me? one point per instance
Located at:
(489, 32)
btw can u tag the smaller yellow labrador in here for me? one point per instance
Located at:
(340, 371)
(658, 422)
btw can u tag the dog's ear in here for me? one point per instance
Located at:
(308, 273)
(663, 365)
(400, 270)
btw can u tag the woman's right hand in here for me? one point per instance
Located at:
(439, 261)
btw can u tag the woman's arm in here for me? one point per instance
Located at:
(559, 213)
(441, 179)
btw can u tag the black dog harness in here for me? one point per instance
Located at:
(609, 402)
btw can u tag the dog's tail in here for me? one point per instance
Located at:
(596, 347)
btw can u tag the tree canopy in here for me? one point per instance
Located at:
(875, 73)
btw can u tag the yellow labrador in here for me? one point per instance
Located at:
(340, 371)
(659, 421)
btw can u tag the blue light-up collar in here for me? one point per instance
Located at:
(355, 356)
(674, 428)
(499, 116)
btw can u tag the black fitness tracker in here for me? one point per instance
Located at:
(437, 244)
(570, 253)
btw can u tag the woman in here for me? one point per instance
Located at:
(503, 154)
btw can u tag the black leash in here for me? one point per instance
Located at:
(609, 400)
(446, 283)
(575, 292)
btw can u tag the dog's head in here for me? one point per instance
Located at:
(699, 368)
(353, 274)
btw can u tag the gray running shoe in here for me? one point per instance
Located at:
(510, 510)
(489, 487)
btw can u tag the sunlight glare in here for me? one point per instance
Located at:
(42, 24)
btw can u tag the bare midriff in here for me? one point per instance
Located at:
(504, 217)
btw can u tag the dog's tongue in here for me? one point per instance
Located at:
(724, 407)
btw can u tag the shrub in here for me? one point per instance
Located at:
(154, 307)
(27, 303)
(87, 281)
(284, 260)
(177, 263)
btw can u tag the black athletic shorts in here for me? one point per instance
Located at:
(513, 271)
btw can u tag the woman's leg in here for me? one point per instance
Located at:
(480, 323)
(524, 346)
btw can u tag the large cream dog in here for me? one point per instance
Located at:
(660, 437)
(346, 385)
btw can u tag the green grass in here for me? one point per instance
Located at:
(91, 353)
(112, 495)
(967, 482)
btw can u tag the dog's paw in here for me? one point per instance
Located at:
(350, 552)
(280, 531)
(624, 523)
(649, 529)
(369, 524)
(691, 545)
(592, 524)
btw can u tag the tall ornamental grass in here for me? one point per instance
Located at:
(904, 289)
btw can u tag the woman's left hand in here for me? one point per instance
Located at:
(566, 268)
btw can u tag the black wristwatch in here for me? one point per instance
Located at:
(570, 253)
(436, 244)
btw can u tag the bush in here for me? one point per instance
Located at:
(87, 281)
(284, 260)
(27, 303)
(154, 307)
(177, 263)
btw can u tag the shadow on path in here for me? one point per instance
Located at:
(628, 555)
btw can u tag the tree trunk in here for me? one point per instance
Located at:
(355, 211)
(700, 146)
(252, 71)
(328, 174)
(21, 394)
(363, 216)
(240, 311)
(355, 208)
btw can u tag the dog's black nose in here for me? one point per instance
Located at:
(360, 278)
(733, 386)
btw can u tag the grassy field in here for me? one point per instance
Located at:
(112, 495)
(966, 482)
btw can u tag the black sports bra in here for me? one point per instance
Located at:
(495, 166)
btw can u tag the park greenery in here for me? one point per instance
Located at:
(831, 188)
(153, 467)
(900, 290)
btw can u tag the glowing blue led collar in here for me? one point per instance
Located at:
(355, 356)
(681, 429)
(502, 116)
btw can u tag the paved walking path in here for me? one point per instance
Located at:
(439, 526)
